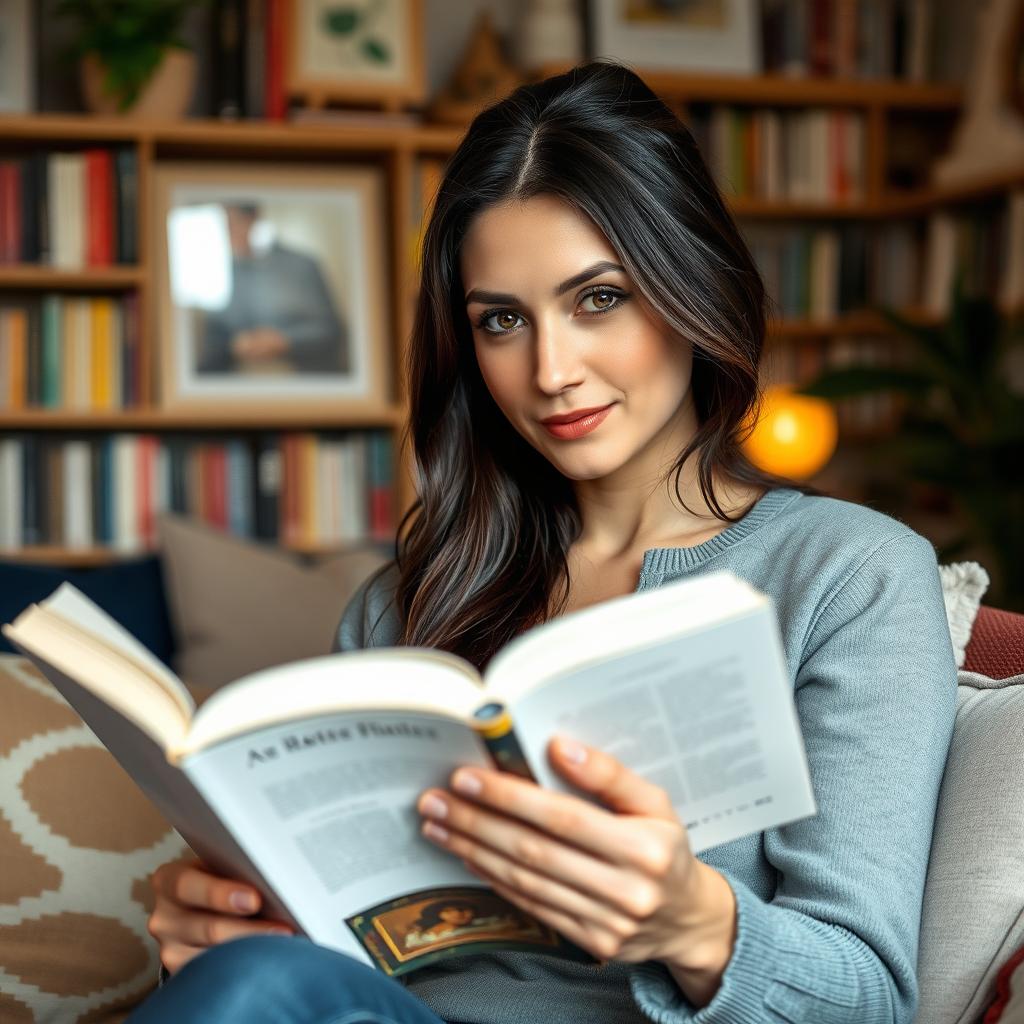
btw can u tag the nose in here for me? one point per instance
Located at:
(558, 362)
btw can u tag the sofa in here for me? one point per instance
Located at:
(78, 841)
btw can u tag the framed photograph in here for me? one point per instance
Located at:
(708, 36)
(272, 288)
(16, 49)
(366, 50)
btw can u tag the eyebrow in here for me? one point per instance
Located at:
(602, 267)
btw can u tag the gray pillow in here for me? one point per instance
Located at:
(973, 915)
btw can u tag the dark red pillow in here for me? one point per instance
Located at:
(1008, 1005)
(997, 644)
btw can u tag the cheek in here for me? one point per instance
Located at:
(503, 375)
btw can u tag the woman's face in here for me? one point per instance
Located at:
(559, 328)
(456, 916)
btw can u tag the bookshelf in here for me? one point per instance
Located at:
(412, 157)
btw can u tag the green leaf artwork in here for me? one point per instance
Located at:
(357, 32)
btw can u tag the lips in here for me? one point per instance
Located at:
(570, 426)
(571, 417)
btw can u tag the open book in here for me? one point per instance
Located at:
(303, 779)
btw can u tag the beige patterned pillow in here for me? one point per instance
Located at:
(78, 842)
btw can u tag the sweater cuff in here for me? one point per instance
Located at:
(785, 965)
(741, 995)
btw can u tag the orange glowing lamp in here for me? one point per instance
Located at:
(795, 435)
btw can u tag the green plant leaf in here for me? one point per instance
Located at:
(342, 21)
(851, 381)
(376, 50)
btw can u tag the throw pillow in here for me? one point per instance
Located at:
(973, 913)
(1008, 1005)
(239, 606)
(130, 591)
(78, 842)
(963, 586)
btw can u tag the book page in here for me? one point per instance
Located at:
(408, 677)
(709, 717)
(326, 808)
(634, 621)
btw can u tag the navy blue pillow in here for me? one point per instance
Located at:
(130, 591)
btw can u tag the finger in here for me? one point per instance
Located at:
(197, 928)
(576, 822)
(196, 887)
(594, 939)
(607, 778)
(175, 955)
(475, 833)
(492, 865)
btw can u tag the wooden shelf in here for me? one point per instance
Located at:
(210, 134)
(222, 419)
(92, 557)
(979, 190)
(22, 275)
(863, 322)
(768, 90)
(780, 209)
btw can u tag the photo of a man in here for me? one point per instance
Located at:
(279, 313)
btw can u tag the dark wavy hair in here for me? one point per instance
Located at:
(483, 551)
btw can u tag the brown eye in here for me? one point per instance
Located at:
(506, 321)
(601, 300)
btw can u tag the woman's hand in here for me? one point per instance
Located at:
(195, 909)
(621, 883)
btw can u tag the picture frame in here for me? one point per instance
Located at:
(17, 47)
(702, 36)
(370, 51)
(271, 290)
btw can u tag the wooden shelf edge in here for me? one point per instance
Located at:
(21, 275)
(926, 200)
(863, 322)
(764, 90)
(156, 420)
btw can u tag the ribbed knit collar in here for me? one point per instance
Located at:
(659, 562)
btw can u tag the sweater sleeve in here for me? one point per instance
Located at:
(876, 697)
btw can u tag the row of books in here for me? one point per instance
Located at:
(70, 210)
(851, 38)
(804, 155)
(860, 417)
(986, 246)
(821, 273)
(70, 352)
(301, 489)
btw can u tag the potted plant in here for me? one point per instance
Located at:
(962, 428)
(134, 60)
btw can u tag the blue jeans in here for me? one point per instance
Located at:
(278, 979)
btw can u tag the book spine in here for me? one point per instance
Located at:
(493, 724)
(276, 105)
(127, 205)
(229, 47)
(267, 484)
(29, 210)
(51, 331)
(34, 353)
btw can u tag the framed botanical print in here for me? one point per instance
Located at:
(678, 35)
(363, 50)
(272, 289)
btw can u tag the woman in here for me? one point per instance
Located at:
(583, 361)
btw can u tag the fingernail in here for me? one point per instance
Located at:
(433, 831)
(433, 806)
(467, 782)
(280, 931)
(572, 751)
(243, 902)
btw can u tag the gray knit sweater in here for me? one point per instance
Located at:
(828, 908)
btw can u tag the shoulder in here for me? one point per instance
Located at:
(835, 539)
(370, 618)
